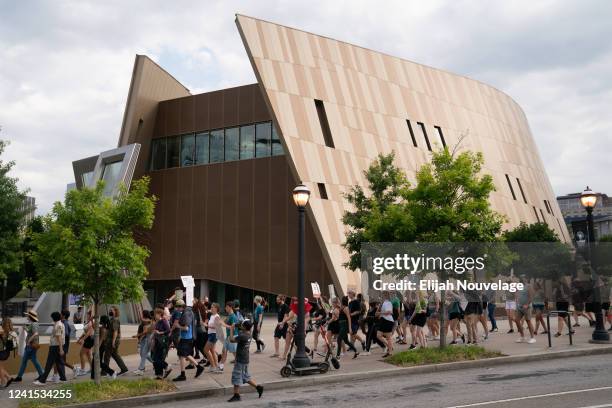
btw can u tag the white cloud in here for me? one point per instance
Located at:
(65, 67)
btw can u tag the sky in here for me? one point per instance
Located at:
(65, 68)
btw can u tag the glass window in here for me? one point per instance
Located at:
(187, 150)
(201, 155)
(216, 146)
(247, 142)
(277, 146)
(158, 154)
(263, 132)
(232, 144)
(110, 175)
(87, 178)
(173, 146)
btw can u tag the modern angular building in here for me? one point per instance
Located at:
(223, 163)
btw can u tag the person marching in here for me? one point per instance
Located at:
(240, 372)
(32, 346)
(258, 321)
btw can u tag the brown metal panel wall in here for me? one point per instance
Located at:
(231, 222)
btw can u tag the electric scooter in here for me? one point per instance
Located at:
(320, 367)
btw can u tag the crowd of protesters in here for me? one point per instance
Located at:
(206, 335)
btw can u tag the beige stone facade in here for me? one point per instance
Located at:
(370, 99)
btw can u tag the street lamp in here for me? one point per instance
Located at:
(588, 199)
(301, 194)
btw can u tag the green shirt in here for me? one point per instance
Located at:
(232, 319)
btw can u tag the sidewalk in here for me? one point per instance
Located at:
(266, 370)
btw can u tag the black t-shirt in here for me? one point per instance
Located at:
(283, 309)
(354, 306)
(243, 341)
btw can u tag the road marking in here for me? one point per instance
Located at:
(477, 404)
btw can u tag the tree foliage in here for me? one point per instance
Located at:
(536, 232)
(11, 217)
(87, 246)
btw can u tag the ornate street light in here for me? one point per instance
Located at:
(301, 194)
(588, 199)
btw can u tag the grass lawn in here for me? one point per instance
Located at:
(88, 391)
(435, 355)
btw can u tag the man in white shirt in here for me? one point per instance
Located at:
(386, 324)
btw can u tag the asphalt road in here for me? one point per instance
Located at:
(562, 383)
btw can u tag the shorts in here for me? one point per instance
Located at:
(88, 343)
(334, 327)
(240, 374)
(184, 348)
(589, 308)
(212, 338)
(408, 313)
(229, 346)
(280, 332)
(454, 315)
(526, 313)
(354, 326)
(419, 319)
(473, 308)
(562, 307)
(510, 305)
(538, 307)
(386, 326)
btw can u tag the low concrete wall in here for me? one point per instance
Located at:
(128, 346)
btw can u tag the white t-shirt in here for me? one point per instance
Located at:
(212, 324)
(387, 306)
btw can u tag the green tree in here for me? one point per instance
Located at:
(88, 248)
(29, 275)
(536, 232)
(539, 252)
(385, 183)
(11, 217)
(448, 204)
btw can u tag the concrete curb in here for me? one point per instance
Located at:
(342, 377)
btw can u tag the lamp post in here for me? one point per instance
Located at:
(588, 199)
(301, 194)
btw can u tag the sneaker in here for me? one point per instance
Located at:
(199, 371)
(221, 367)
(257, 351)
(180, 378)
(121, 373)
(493, 330)
(39, 383)
(531, 341)
(355, 355)
(386, 355)
(55, 378)
(259, 389)
(263, 347)
(167, 372)
(138, 372)
(190, 367)
(412, 347)
(9, 382)
(218, 370)
(114, 376)
(557, 334)
(453, 342)
(83, 372)
(274, 355)
(17, 379)
(520, 340)
(365, 353)
(510, 331)
(235, 397)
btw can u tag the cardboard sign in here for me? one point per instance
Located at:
(332, 292)
(316, 290)
(189, 284)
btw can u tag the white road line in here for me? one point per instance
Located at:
(538, 396)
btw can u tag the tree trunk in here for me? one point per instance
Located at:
(442, 318)
(96, 351)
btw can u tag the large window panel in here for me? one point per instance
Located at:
(174, 152)
(247, 142)
(110, 175)
(277, 146)
(202, 148)
(263, 142)
(188, 150)
(158, 154)
(216, 146)
(232, 144)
